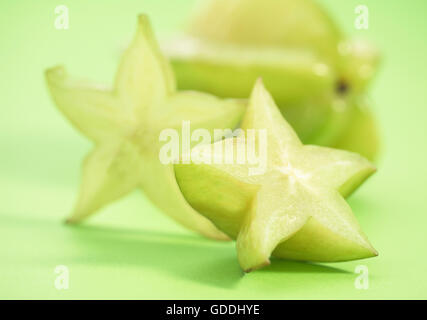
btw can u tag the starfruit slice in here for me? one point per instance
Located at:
(125, 123)
(294, 208)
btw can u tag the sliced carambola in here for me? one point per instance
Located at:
(294, 209)
(125, 124)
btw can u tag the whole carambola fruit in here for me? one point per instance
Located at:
(315, 74)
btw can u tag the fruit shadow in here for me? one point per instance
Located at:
(289, 266)
(190, 257)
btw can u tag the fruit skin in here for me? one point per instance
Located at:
(361, 135)
(268, 23)
(125, 123)
(344, 67)
(234, 70)
(295, 209)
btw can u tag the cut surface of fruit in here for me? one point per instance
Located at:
(294, 207)
(125, 123)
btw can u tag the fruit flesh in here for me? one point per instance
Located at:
(321, 240)
(295, 210)
(125, 123)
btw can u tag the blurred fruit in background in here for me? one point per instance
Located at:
(318, 77)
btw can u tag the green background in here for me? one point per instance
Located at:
(131, 250)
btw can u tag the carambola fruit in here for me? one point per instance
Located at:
(295, 209)
(125, 122)
(313, 72)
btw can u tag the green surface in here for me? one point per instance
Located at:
(131, 250)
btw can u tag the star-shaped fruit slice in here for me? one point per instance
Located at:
(294, 208)
(125, 124)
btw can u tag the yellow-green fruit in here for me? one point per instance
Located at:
(305, 61)
(294, 208)
(268, 23)
(229, 70)
(126, 122)
(361, 134)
